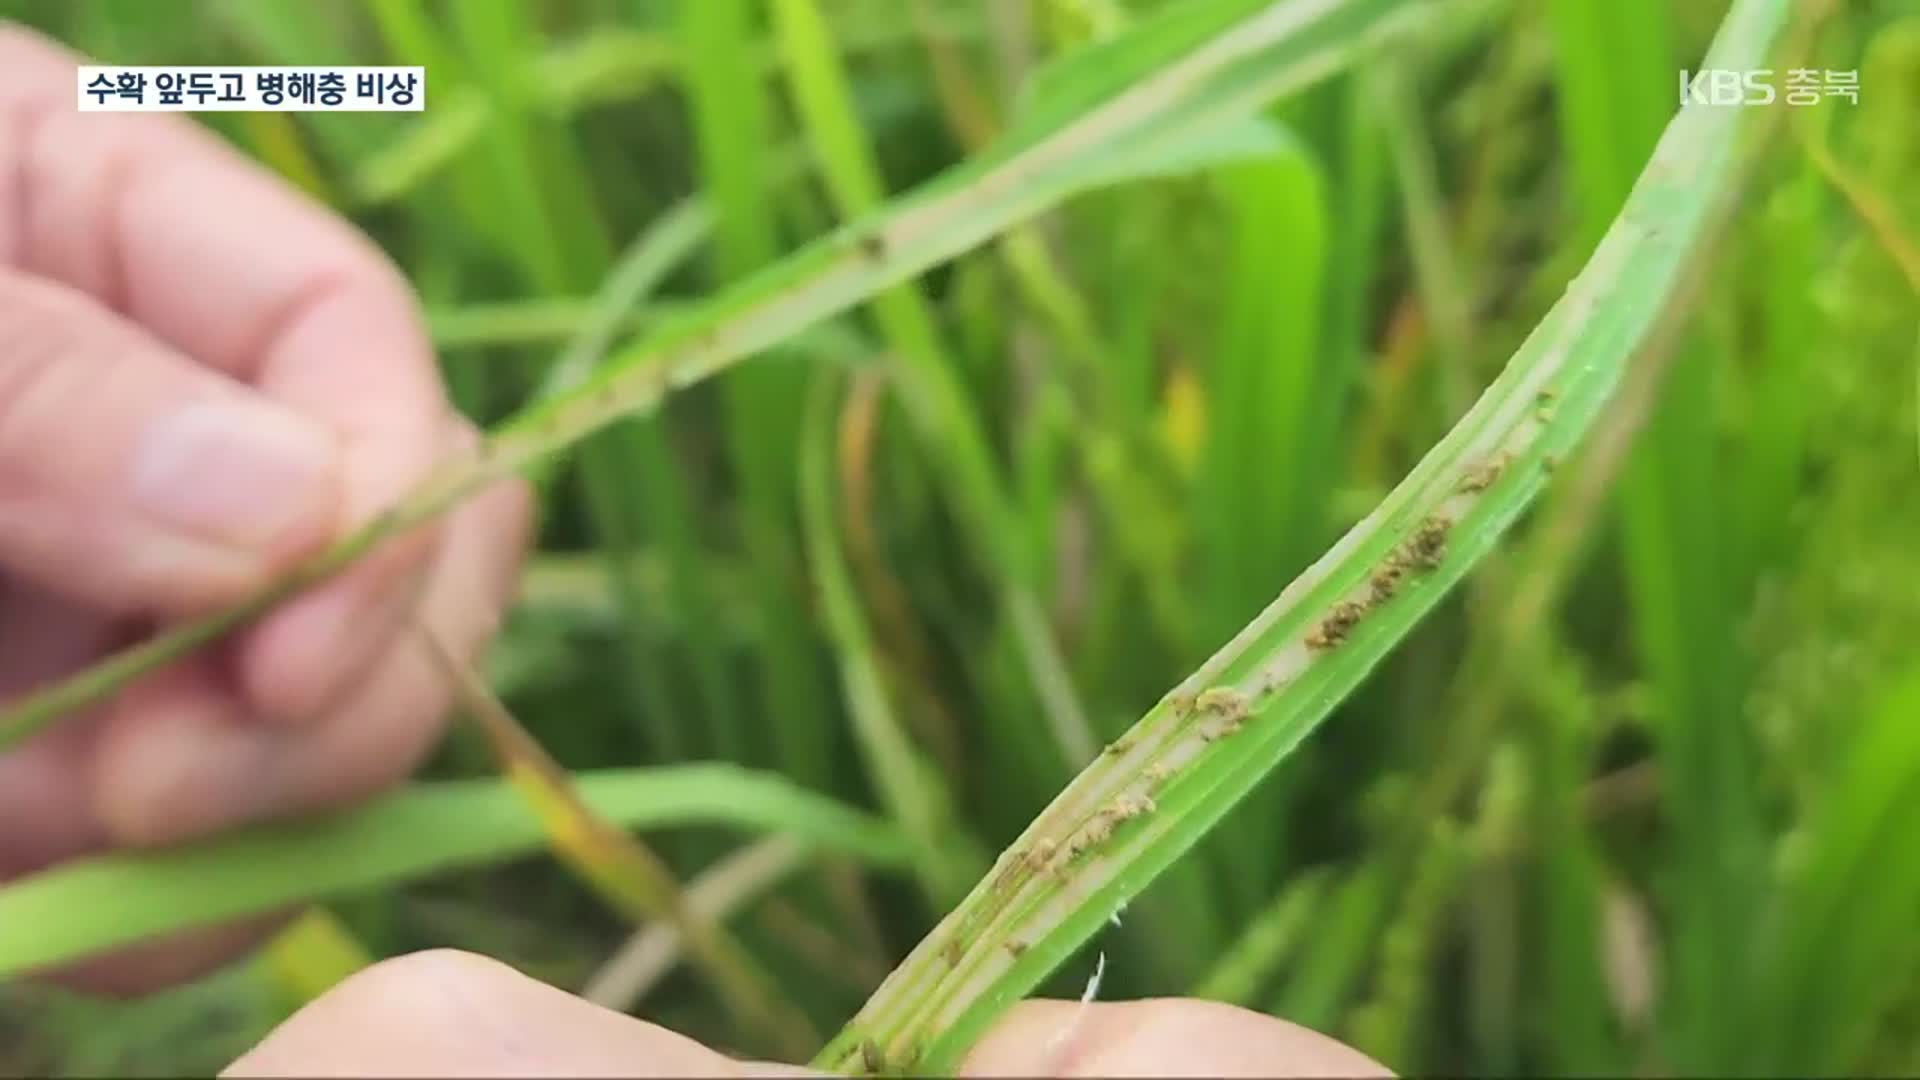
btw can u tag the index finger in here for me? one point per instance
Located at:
(160, 220)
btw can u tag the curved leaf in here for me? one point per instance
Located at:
(94, 904)
(1145, 96)
(1161, 787)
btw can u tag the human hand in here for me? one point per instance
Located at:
(203, 377)
(450, 1014)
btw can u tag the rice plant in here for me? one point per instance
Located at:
(1384, 512)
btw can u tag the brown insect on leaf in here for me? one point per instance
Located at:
(1040, 855)
(1427, 548)
(1386, 580)
(1482, 476)
(1338, 624)
(1224, 701)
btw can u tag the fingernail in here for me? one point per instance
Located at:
(239, 472)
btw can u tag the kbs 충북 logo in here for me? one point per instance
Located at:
(1764, 86)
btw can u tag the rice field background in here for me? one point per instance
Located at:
(1615, 765)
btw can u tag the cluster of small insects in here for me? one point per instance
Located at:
(1482, 475)
(1045, 854)
(1226, 711)
(1425, 550)
(1427, 547)
(1337, 625)
(1386, 581)
(1100, 829)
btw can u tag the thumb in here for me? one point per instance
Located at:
(448, 1014)
(136, 481)
(1158, 1037)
